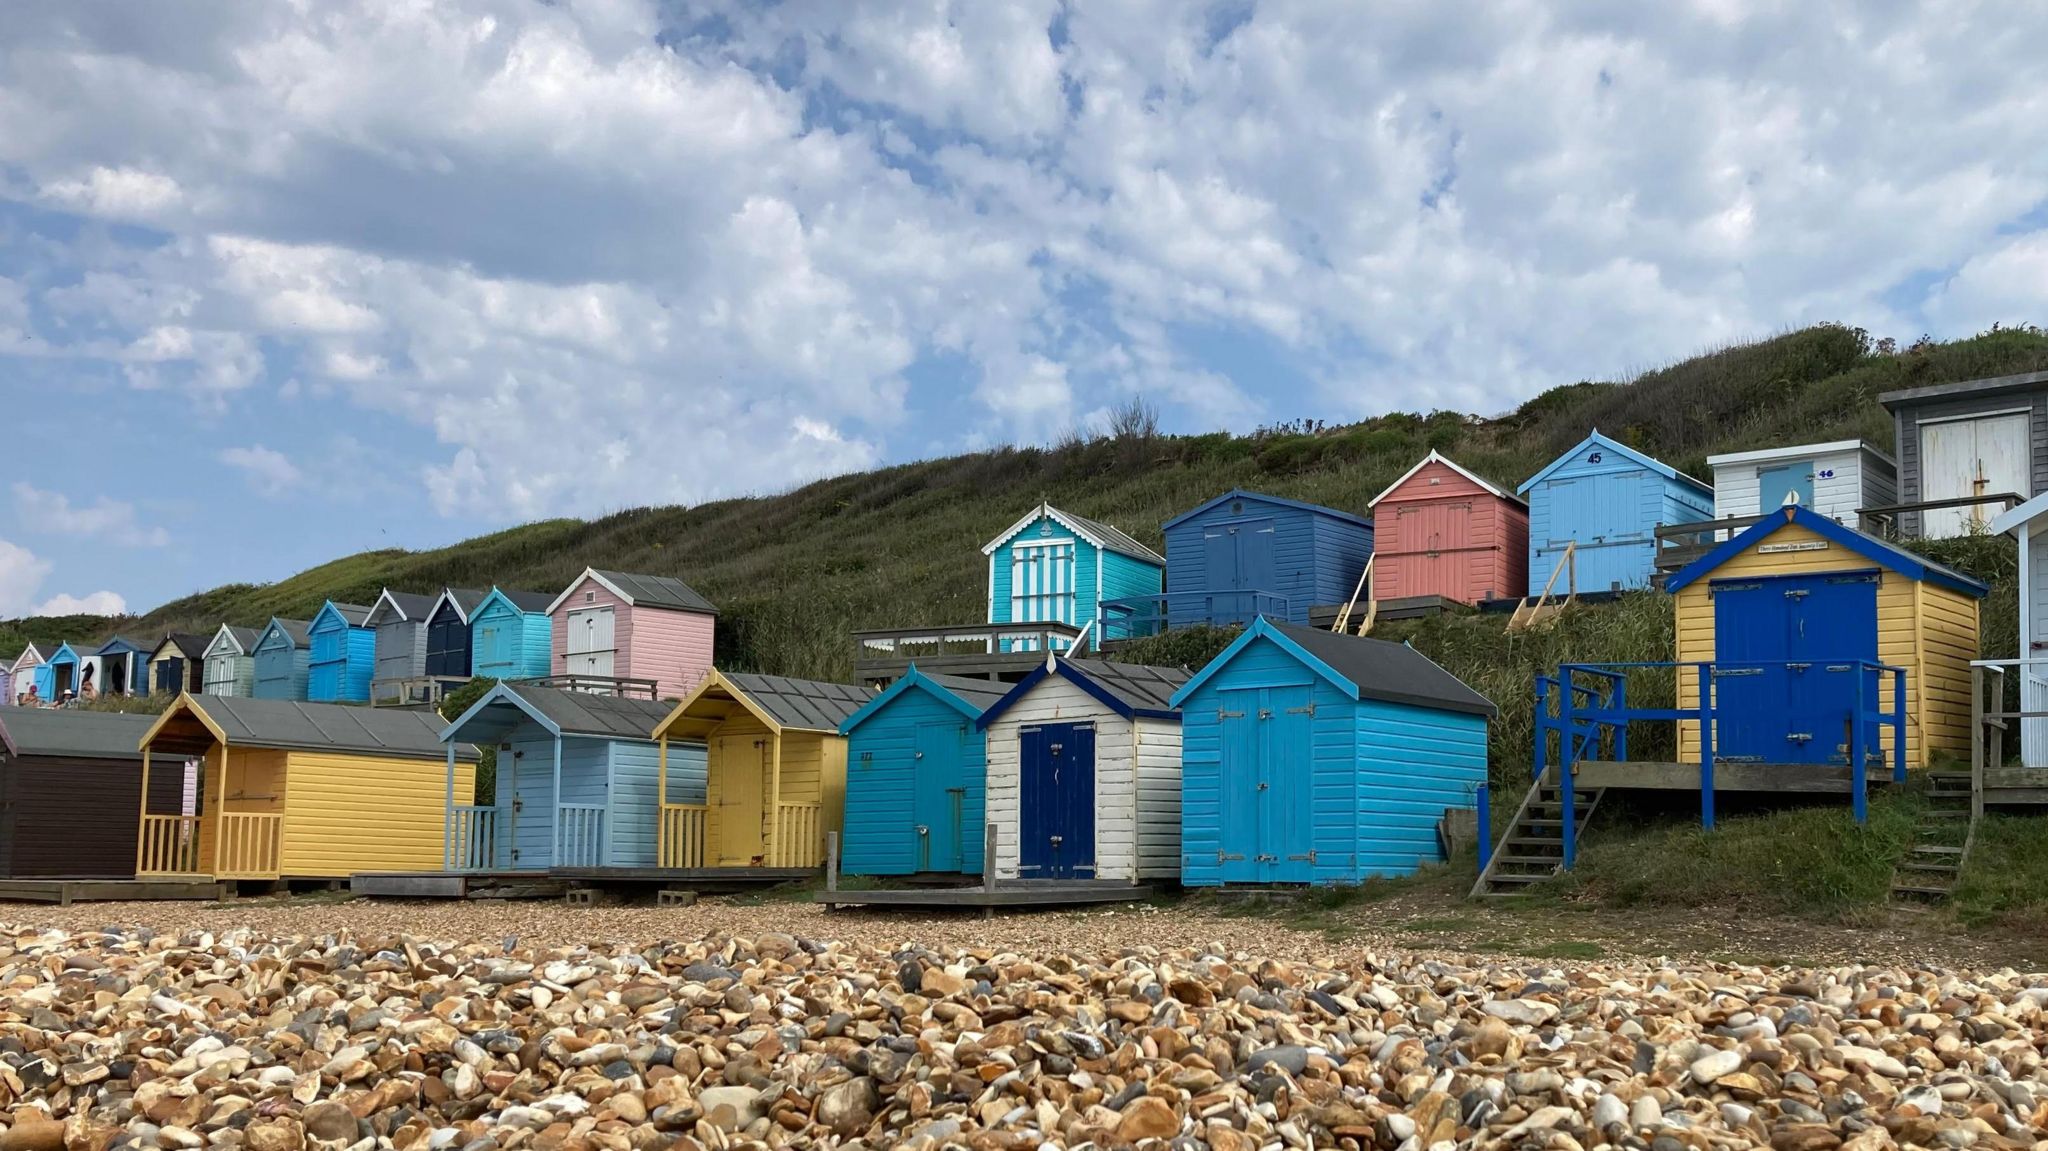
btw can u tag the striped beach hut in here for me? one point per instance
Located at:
(231, 661)
(916, 769)
(283, 658)
(511, 635)
(1053, 566)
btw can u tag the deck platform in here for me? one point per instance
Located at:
(65, 892)
(1766, 778)
(701, 879)
(1324, 616)
(2016, 786)
(456, 885)
(1047, 893)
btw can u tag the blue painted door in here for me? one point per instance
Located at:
(938, 795)
(1267, 785)
(1774, 484)
(1785, 685)
(447, 646)
(170, 677)
(529, 817)
(1056, 802)
(1603, 515)
(1242, 570)
(496, 647)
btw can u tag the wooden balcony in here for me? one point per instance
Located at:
(799, 836)
(168, 845)
(1889, 520)
(226, 845)
(682, 835)
(999, 651)
(579, 835)
(1680, 544)
(249, 845)
(619, 685)
(413, 691)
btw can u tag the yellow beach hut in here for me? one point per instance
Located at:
(774, 780)
(299, 790)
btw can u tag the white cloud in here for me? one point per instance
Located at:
(108, 520)
(119, 193)
(95, 603)
(21, 573)
(269, 471)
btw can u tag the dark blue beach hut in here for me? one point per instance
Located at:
(344, 654)
(1243, 555)
(916, 783)
(283, 657)
(1318, 758)
(448, 638)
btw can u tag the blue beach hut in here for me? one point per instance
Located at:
(1605, 500)
(1318, 758)
(577, 781)
(1056, 567)
(344, 654)
(511, 635)
(916, 783)
(59, 677)
(124, 666)
(1243, 555)
(283, 658)
(448, 635)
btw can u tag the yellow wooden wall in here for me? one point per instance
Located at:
(813, 771)
(350, 813)
(1928, 630)
(243, 779)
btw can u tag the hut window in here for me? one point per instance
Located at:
(590, 597)
(1237, 507)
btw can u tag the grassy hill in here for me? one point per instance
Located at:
(794, 573)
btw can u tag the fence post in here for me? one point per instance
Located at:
(1620, 706)
(1484, 798)
(831, 861)
(1706, 693)
(1859, 766)
(1899, 736)
(988, 858)
(1567, 760)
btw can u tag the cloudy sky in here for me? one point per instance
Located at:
(284, 280)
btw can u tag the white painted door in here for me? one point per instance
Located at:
(1961, 458)
(590, 642)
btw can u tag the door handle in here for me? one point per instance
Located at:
(923, 829)
(1057, 840)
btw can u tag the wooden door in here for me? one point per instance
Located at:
(1056, 802)
(742, 787)
(590, 641)
(1960, 458)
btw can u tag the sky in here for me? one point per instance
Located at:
(281, 280)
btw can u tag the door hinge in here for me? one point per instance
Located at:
(1840, 667)
(1309, 710)
(1221, 714)
(1224, 857)
(1311, 857)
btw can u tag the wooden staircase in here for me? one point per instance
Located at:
(1533, 848)
(1928, 872)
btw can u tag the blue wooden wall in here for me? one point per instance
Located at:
(506, 643)
(342, 659)
(619, 773)
(1311, 555)
(884, 803)
(281, 666)
(1609, 499)
(1362, 784)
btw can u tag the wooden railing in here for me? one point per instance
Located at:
(413, 690)
(472, 838)
(248, 846)
(1680, 544)
(1884, 520)
(169, 845)
(799, 835)
(579, 835)
(618, 685)
(682, 835)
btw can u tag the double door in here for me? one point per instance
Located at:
(1056, 801)
(1242, 569)
(588, 644)
(1267, 784)
(1790, 651)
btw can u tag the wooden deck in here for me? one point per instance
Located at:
(2015, 786)
(705, 879)
(1765, 778)
(456, 885)
(65, 892)
(1324, 616)
(1010, 894)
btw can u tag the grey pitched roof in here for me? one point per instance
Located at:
(657, 591)
(280, 723)
(1115, 539)
(465, 598)
(299, 631)
(980, 694)
(1390, 672)
(582, 713)
(67, 732)
(803, 704)
(532, 602)
(1995, 385)
(412, 608)
(188, 645)
(1140, 687)
(353, 614)
(246, 637)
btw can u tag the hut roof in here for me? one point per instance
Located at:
(641, 591)
(71, 733)
(465, 600)
(1129, 689)
(1436, 457)
(1096, 532)
(185, 644)
(408, 607)
(294, 726)
(970, 697)
(1261, 497)
(1878, 551)
(569, 712)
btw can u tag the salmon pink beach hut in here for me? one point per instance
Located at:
(1442, 530)
(613, 627)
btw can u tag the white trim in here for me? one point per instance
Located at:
(2014, 518)
(1439, 458)
(383, 597)
(30, 650)
(448, 593)
(228, 631)
(1796, 451)
(1992, 413)
(992, 589)
(590, 574)
(1046, 510)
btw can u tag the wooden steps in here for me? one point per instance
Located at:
(1532, 850)
(1928, 871)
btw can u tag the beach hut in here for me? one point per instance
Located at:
(577, 781)
(1604, 501)
(1084, 772)
(343, 654)
(70, 785)
(2028, 523)
(7, 678)
(27, 670)
(296, 790)
(1318, 758)
(67, 669)
(124, 666)
(1834, 479)
(1056, 567)
(774, 779)
(398, 620)
(231, 661)
(915, 773)
(283, 658)
(178, 664)
(1792, 612)
(448, 647)
(613, 626)
(512, 635)
(1956, 441)
(1243, 555)
(1443, 531)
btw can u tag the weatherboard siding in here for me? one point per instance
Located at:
(340, 664)
(673, 648)
(1317, 559)
(589, 595)
(281, 669)
(1845, 481)
(401, 650)
(506, 643)
(349, 813)
(1441, 534)
(1058, 700)
(632, 821)
(1906, 421)
(1127, 577)
(881, 776)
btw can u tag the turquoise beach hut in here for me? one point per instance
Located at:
(1056, 567)
(511, 635)
(916, 777)
(343, 655)
(1313, 757)
(283, 658)
(59, 677)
